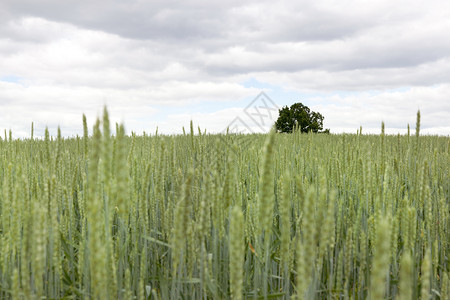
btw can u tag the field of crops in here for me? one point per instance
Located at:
(199, 216)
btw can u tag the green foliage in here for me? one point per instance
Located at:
(299, 116)
(111, 216)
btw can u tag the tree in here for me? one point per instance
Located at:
(301, 116)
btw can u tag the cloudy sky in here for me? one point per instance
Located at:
(164, 63)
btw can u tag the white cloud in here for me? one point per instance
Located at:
(395, 108)
(149, 62)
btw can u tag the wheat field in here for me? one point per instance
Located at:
(207, 216)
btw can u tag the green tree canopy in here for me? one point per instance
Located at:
(300, 115)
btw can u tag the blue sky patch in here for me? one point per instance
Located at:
(11, 78)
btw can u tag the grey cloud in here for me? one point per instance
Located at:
(132, 19)
(175, 52)
(428, 74)
(340, 37)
